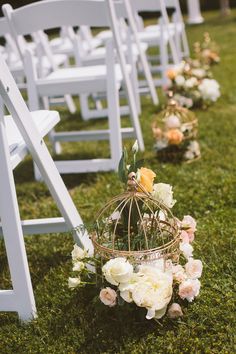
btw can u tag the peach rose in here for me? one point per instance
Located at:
(146, 179)
(171, 74)
(193, 268)
(175, 311)
(189, 289)
(178, 273)
(174, 136)
(108, 297)
(189, 224)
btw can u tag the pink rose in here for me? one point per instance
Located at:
(178, 273)
(189, 289)
(108, 297)
(175, 311)
(193, 268)
(189, 223)
(184, 236)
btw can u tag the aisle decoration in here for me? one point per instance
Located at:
(207, 52)
(175, 132)
(143, 254)
(192, 84)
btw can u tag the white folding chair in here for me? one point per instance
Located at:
(20, 133)
(136, 47)
(79, 80)
(161, 37)
(44, 64)
(177, 27)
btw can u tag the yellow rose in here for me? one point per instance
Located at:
(146, 179)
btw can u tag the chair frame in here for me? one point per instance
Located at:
(21, 298)
(69, 13)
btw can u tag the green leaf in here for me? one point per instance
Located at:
(122, 166)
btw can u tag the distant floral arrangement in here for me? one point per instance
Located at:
(143, 254)
(192, 84)
(207, 52)
(175, 132)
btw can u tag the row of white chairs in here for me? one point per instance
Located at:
(23, 132)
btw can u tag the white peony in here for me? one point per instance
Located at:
(126, 296)
(78, 253)
(164, 194)
(180, 80)
(117, 270)
(172, 122)
(209, 89)
(186, 249)
(153, 291)
(191, 82)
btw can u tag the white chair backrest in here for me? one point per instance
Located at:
(50, 14)
(55, 14)
(4, 27)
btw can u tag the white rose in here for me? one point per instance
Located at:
(194, 268)
(199, 73)
(190, 83)
(179, 80)
(209, 89)
(78, 266)
(78, 253)
(73, 282)
(172, 122)
(180, 67)
(186, 249)
(164, 194)
(117, 270)
(153, 291)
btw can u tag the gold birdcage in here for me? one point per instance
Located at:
(136, 226)
(173, 129)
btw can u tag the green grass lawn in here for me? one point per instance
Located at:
(206, 189)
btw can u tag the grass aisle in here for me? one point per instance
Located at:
(205, 189)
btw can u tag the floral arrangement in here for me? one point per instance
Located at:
(143, 255)
(175, 131)
(207, 52)
(192, 84)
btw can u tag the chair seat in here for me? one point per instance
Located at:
(101, 52)
(62, 46)
(153, 36)
(84, 73)
(172, 27)
(44, 121)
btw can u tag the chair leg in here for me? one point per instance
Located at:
(22, 297)
(114, 116)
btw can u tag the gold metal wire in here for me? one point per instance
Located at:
(169, 249)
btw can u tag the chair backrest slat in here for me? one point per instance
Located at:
(4, 27)
(51, 14)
